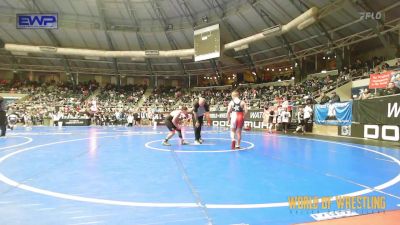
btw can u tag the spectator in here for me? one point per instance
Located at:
(3, 117)
(365, 94)
(396, 80)
(324, 98)
(285, 114)
(335, 98)
(308, 111)
(300, 121)
(391, 89)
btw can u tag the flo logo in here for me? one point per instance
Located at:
(371, 15)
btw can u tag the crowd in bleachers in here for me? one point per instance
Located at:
(46, 98)
(163, 98)
(112, 105)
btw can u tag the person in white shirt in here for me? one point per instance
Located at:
(308, 111)
(285, 115)
(130, 120)
(279, 116)
(300, 121)
(55, 118)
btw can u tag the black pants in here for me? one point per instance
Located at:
(197, 130)
(3, 123)
(285, 126)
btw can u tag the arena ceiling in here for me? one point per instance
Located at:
(123, 25)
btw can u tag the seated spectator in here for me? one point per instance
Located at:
(396, 80)
(335, 98)
(391, 89)
(324, 98)
(365, 94)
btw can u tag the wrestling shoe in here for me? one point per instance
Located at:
(184, 142)
(197, 142)
(201, 141)
(166, 143)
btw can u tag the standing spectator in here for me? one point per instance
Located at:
(266, 114)
(278, 125)
(272, 120)
(300, 121)
(308, 111)
(55, 118)
(285, 119)
(130, 120)
(335, 98)
(3, 117)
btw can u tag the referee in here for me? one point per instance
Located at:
(199, 109)
(3, 117)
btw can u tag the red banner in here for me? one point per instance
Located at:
(379, 80)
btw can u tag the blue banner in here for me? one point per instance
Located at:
(37, 21)
(333, 114)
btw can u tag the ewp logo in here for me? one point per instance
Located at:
(37, 21)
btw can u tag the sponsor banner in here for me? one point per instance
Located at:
(37, 21)
(254, 119)
(384, 110)
(379, 80)
(252, 124)
(333, 114)
(376, 132)
(252, 115)
(76, 122)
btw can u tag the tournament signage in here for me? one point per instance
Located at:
(254, 119)
(333, 114)
(384, 110)
(380, 80)
(37, 21)
(76, 122)
(376, 132)
(377, 118)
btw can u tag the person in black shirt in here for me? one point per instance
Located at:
(199, 109)
(391, 89)
(3, 117)
(324, 98)
(335, 98)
